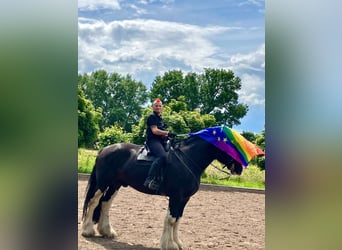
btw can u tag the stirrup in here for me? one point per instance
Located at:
(151, 184)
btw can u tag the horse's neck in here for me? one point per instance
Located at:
(200, 152)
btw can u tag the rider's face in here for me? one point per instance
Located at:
(157, 107)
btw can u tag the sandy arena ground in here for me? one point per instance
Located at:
(214, 218)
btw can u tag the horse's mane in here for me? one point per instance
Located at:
(184, 142)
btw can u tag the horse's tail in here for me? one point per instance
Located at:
(90, 191)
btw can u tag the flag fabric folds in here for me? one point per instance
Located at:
(231, 142)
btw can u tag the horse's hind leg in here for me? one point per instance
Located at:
(88, 224)
(104, 227)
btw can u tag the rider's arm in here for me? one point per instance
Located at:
(157, 131)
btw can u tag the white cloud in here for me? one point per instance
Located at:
(252, 2)
(252, 61)
(252, 90)
(131, 46)
(154, 1)
(145, 48)
(98, 4)
(152, 47)
(138, 11)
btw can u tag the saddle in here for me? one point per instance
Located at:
(145, 154)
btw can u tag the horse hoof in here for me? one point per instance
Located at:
(88, 234)
(170, 246)
(110, 234)
(180, 245)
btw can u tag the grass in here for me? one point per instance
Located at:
(251, 177)
(86, 160)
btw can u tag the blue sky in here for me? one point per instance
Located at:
(146, 38)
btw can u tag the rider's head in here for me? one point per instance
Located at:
(157, 106)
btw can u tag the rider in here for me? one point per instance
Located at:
(156, 137)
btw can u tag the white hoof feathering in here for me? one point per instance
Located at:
(175, 235)
(87, 224)
(104, 227)
(167, 241)
(107, 232)
(88, 231)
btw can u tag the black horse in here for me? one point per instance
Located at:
(117, 165)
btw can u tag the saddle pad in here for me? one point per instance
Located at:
(144, 156)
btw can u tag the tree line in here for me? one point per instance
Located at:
(113, 108)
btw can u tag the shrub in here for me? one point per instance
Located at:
(112, 135)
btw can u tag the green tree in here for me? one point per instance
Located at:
(168, 86)
(139, 130)
(178, 105)
(96, 89)
(173, 84)
(88, 121)
(191, 89)
(250, 136)
(219, 97)
(193, 120)
(209, 120)
(119, 97)
(214, 92)
(260, 141)
(128, 98)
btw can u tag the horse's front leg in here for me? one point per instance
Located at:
(169, 239)
(175, 234)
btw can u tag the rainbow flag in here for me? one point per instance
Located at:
(231, 142)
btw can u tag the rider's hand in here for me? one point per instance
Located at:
(171, 135)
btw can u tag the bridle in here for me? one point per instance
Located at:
(178, 150)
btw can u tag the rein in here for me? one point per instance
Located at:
(219, 169)
(223, 171)
(185, 165)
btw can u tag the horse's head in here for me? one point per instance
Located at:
(234, 167)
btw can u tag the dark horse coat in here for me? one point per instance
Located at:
(117, 165)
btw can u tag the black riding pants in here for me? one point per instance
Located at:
(157, 149)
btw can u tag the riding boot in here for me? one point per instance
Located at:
(152, 181)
